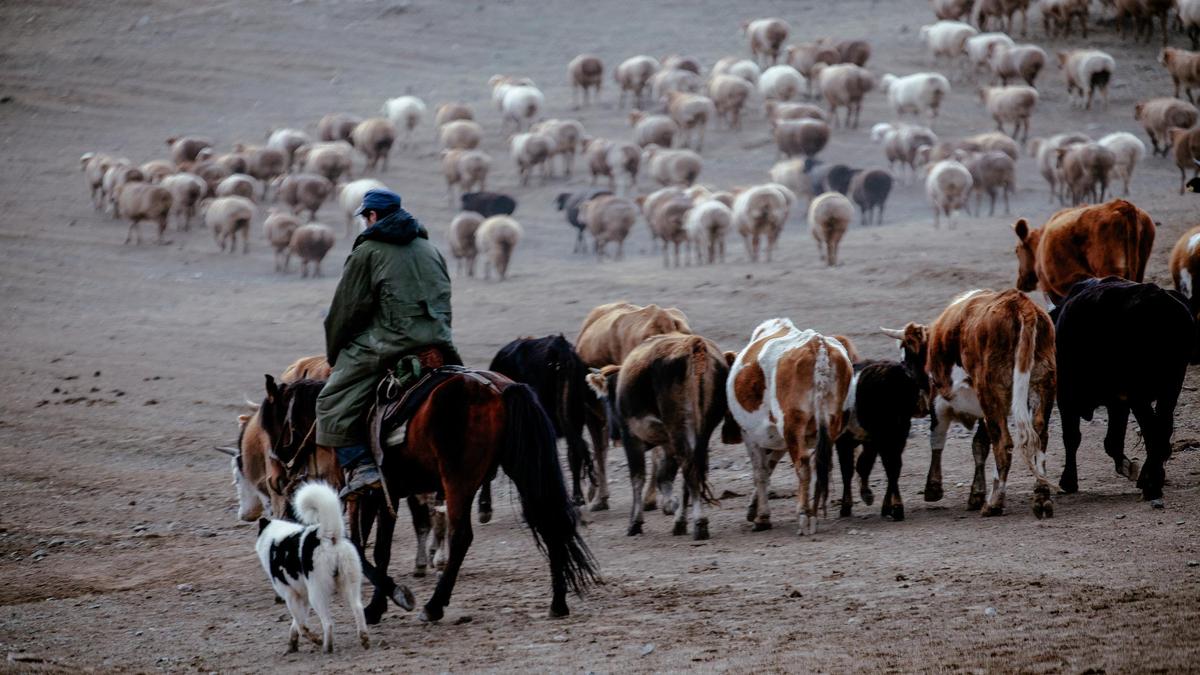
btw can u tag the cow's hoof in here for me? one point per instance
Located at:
(420, 570)
(933, 492)
(431, 614)
(845, 512)
(1133, 469)
(700, 531)
(404, 598)
(868, 497)
(752, 510)
(668, 507)
(485, 516)
(364, 640)
(558, 609)
(991, 511)
(651, 505)
(976, 501)
(1043, 509)
(679, 528)
(599, 505)
(1158, 503)
(761, 525)
(634, 529)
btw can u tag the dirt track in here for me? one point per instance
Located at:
(122, 365)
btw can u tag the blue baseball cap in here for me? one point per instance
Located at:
(379, 200)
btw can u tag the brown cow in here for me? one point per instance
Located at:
(609, 332)
(1185, 267)
(669, 393)
(990, 355)
(1083, 242)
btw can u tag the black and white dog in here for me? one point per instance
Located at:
(309, 563)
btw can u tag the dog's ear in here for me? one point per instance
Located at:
(262, 525)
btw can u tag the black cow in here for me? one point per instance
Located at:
(551, 366)
(571, 203)
(1124, 346)
(489, 203)
(885, 396)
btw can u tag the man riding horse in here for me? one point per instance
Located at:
(391, 312)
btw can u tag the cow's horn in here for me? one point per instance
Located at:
(892, 332)
(1197, 161)
(232, 452)
(594, 370)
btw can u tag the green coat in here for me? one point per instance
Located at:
(393, 297)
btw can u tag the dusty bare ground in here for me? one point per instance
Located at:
(122, 365)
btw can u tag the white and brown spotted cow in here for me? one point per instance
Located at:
(609, 332)
(669, 393)
(990, 357)
(787, 391)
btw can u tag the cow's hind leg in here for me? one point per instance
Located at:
(939, 425)
(679, 527)
(1002, 446)
(635, 456)
(893, 506)
(1114, 441)
(980, 445)
(845, 452)
(1157, 426)
(665, 469)
(864, 466)
(1069, 482)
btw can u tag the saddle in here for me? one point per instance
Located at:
(401, 393)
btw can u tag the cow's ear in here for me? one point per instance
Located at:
(1022, 229)
(272, 389)
(730, 357)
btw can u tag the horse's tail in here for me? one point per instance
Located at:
(530, 458)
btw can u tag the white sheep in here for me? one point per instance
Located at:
(310, 243)
(406, 112)
(529, 151)
(844, 84)
(948, 186)
(227, 216)
(729, 94)
(706, 225)
(496, 239)
(1128, 150)
(916, 94)
(672, 167)
(946, 39)
(766, 36)
(781, 83)
(467, 169)
(653, 129)
(586, 73)
(462, 241)
(460, 135)
(738, 67)
(278, 228)
(187, 189)
(608, 218)
(980, 47)
(568, 137)
(829, 217)
(633, 75)
(350, 196)
(287, 141)
(1085, 71)
(759, 213)
(521, 107)
(239, 184)
(691, 112)
(1014, 103)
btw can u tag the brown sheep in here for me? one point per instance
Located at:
(187, 189)
(329, 159)
(303, 191)
(665, 215)
(844, 84)
(801, 137)
(1185, 147)
(157, 169)
(1014, 103)
(467, 169)
(854, 51)
(1085, 168)
(652, 129)
(951, 10)
(460, 135)
(1185, 267)
(1157, 115)
(1141, 14)
(829, 217)
(672, 167)
(264, 163)
(633, 75)
(140, 201)
(587, 73)
(991, 172)
(529, 151)
(1003, 12)
(729, 94)
(993, 140)
(310, 243)
(450, 112)
(185, 148)
(1184, 67)
(766, 36)
(804, 56)
(337, 127)
(238, 184)
(690, 112)
(785, 110)
(278, 228)
(1022, 62)
(1057, 16)
(374, 138)
(568, 137)
(462, 241)
(120, 173)
(608, 219)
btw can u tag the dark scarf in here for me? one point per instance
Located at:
(398, 228)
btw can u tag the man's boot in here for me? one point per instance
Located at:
(359, 467)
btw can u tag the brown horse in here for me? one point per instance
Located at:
(469, 425)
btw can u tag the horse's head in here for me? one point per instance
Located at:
(289, 415)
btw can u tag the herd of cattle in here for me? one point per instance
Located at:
(995, 361)
(676, 105)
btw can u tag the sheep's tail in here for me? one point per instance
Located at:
(317, 504)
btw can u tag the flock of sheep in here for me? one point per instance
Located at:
(674, 106)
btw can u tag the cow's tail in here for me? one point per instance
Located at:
(1021, 408)
(824, 382)
(701, 380)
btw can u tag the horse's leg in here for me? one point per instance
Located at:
(458, 518)
(485, 500)
(576, 454)
(419, 509)
(980, 445)
(635, 456)
(845, 452)
(598, 492)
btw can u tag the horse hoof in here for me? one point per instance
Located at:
(992, 511)
(761, 525)
(975, 502)
(601, 505)
(933, 492)
(700, 532)
(1158, 503)
(431, 614)
(845, 512)
(372, 615)
(405, 601)
(1068, 487)
(868, 497)
(634, 530)
(897, 513)
(420, 571)
(558, 610)
(679, 528)
(365, 640)
(651, 505)
(485, 516)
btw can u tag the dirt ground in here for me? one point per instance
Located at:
(120, 366)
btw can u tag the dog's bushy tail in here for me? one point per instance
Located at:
(317, 504)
